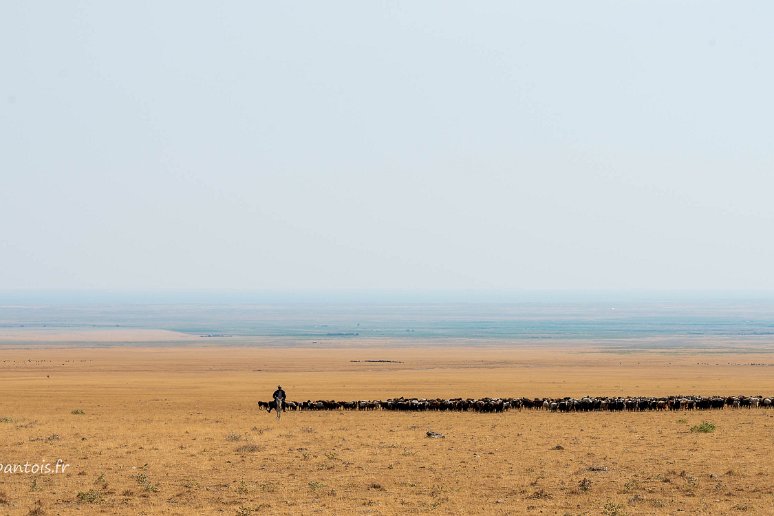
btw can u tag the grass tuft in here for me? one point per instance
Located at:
(142, 481)
(90, 496)
(705, 427)
(242, 488)
(613, 509)
(101, 482)
(540, 494)
(37, 510)
(631, 485)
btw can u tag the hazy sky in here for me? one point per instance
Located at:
(407, 145)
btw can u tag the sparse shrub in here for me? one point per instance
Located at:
(101, 482)
(705, 427)
(314, 485)
(631, 485)
(77, 412)
(90, 496)
(585, 484)
(691, 480)
(308, 430)
(540, 494)
(613, 509)
(330, 455)
(233, 437)
(248, 448)
(48, 439)
(127, 492)
(5, 419)
(37, 510)
(242, 487)
(244, 511)
(142, 481)
(376, 485)
(682, 421)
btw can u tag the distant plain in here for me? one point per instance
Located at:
(160, 421)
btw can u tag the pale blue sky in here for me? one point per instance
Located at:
(403, 145)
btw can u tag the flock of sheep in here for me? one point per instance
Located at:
(567, 404)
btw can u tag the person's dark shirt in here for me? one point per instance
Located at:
(280, 393)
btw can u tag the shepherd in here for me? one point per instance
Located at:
(278, 402)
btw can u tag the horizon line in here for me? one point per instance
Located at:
(366, 295)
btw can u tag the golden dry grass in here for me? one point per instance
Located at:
(177, 431)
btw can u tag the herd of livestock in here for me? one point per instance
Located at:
(568, 404)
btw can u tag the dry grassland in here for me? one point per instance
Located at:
(176, 431)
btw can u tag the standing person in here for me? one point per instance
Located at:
(278, 394)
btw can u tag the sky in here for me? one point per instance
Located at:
(306, 145)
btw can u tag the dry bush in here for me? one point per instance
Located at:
(248, 448)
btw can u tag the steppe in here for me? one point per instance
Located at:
(161, 427)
